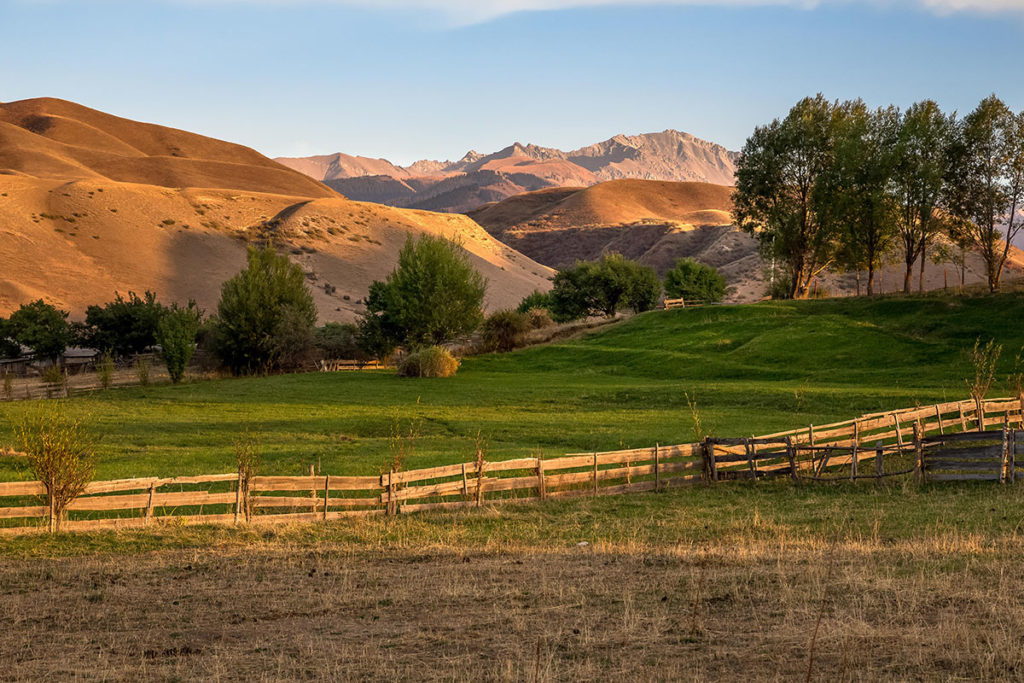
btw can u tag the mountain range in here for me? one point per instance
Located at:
(477, 179)
(92, 204)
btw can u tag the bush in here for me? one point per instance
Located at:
(9, 347)
(177, 337)
(61, 458)
(430, 361)
(263, 311)
(536, 300)
(124, 327)
(105, 370)
(539, 318)
(694, 281)
(43, 328)
(505, 330)
(339, 341)
(603, 287)
(432, 297)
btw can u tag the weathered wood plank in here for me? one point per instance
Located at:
(22, 488)
(964, 477)
(29, 511)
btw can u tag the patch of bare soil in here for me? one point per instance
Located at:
(748, 612)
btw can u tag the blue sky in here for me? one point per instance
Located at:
(410, 79)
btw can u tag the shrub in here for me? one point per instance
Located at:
(9, 347)
(43, 328)
(433, 296)
(177, 337)
(430, 361)
(337, 340)
(61, 458)
(124, 327)
(258, 311)
(694, 281)
(505, 330)
(248, 460)
(536, 300)
(539, 318)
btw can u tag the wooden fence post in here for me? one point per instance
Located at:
(938, 418)
(312, 488)
(1012, 454)
(963, 418)
(327, 493)
(595, 473)
(899, 431)
(52, 515)
(853, 452)
(879, 464)
(657, 468)
(391, 494)
(810, 442)
(481, 465)
(465, 482)
(791, 454)
(979, 409)
(750, 451)
(919, 474)
(240, 502)
(149, 505)
(542, 491)
(1005, 464)
(709, 459)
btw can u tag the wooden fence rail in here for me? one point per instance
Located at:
(875, 446)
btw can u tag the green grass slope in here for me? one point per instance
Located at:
(749, 370)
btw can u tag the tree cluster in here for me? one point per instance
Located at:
(603, 287)
(838, 185)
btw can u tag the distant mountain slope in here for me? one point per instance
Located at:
(657, 223)
(477, 178)
(92, 204)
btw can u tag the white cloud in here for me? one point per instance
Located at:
(486, 9)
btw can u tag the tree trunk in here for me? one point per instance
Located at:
(858, 282)
(907, 276)
(924, 255)
(871, 279)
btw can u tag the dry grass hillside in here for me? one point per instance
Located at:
(658, 222)
(92, 204)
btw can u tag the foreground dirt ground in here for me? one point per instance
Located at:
(857, 609)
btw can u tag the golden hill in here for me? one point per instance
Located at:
(92, 204)
(659, 222)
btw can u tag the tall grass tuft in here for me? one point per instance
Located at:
(983, 359)
(432, 361)
(61, 457)
(105, 371)
(8, 387)
(142, 369)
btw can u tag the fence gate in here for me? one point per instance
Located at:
(987, 456)
(752, 458)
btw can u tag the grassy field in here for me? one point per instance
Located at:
(749, 369)
(731, 581)
(738, 580)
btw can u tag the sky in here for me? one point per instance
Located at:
(412, 79)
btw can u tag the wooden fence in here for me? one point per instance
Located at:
(872, 446)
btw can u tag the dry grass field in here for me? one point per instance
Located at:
(740, 581)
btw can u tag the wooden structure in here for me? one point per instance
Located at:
(949, 441)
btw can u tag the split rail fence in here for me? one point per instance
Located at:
(933, 443)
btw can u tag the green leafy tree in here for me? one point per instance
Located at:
(603, 287)
(858, 186)
(176, 335)
(694, 281)
(987, 181)
(919, 181)
(9, 346)
(433, 296)
(339, 341)
(253, 308)
(779, 198)
(124, 326)
(43, 328)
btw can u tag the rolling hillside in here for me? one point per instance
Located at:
(477, 178)
(92, 204)
(659, 222)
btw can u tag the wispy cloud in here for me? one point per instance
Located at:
(470, 11)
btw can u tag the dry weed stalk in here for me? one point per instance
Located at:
(983, 359)
(697, 425)
(61, 457)
(142, 368)
(8, 387)
(248, 459)
(105, 370)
